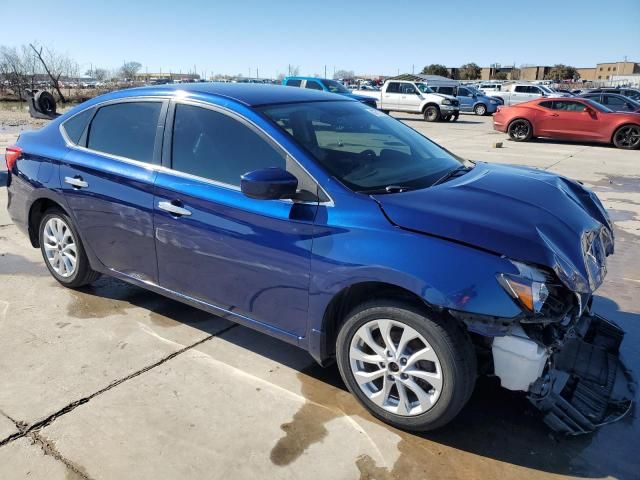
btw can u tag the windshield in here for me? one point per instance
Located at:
(362, 147)
(335, 87)
(423, 88)
(546, 89)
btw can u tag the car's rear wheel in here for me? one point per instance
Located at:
(627, 137)
(520, 130)
(63, 251)
(410, 370)
(432, 113)
(480, 109)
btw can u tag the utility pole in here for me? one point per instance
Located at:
(413, 69)
(325, 71)
(257, 73)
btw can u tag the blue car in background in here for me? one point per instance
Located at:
(338, 229)
(471, 99)
(326, 85)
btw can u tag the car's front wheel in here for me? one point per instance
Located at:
(432, 113)
(627, 137)
(480, 109)
(410, 370)
(63, 251)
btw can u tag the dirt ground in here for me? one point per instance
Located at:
(111, 381)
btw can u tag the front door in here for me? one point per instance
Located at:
(410, 98)
(465, 97)
(108, 185)
(248, 257)
(568, 119)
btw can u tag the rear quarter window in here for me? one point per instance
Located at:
(75, 126)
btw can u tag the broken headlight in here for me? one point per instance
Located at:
(528, 288)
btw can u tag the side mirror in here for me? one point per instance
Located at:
(268, 184)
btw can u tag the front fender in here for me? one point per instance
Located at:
(445, 274)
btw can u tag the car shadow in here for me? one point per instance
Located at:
(557, 141)
(495, 423)
(418, 118)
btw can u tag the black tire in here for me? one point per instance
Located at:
(627, 137)
(45, 102)
(83, 274)
(448, 340)
(480, 109)
(520, 130)
(432, 113)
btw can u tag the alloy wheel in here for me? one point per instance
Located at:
(519, 130)
(628, 137)
(395, 367)
(60, 247)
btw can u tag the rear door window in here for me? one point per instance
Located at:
(293, 82)
(126, 129)
(393, 87)
(213, 145)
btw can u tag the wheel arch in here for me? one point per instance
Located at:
(349, 298)
(36, 212)
(533, 128)
(621, 125)
(429, 104)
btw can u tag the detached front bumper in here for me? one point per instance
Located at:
(586, 385)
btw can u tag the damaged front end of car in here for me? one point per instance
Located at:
(565, 357)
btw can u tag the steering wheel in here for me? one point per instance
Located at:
(368, 153)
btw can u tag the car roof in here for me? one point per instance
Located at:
(295, 77)
(249, 94)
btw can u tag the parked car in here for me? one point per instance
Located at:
(514, 93)
(470, 99)
(336, 228)
(415, 97)
(569, 119)
(489, 87)
(614, 101)
(632, 93)
(326, 85)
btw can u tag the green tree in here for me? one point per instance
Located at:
(436, 69)
(470, 71)
(562, 72)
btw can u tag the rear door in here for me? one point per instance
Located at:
(246, 256)
(107, 181)
(391, 96)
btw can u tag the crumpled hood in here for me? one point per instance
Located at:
(528, 215)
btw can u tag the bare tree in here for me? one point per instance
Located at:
(12, 70)
(343, 74)
(129, 69)
(54, 65)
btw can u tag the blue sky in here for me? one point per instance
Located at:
(376, 37)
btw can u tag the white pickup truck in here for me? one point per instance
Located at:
(515, 93)
(414, 97)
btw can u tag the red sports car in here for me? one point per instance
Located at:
(569, 119)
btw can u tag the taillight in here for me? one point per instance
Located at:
(11, 155)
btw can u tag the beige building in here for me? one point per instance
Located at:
(587, 73)
(534, 73)
(604, 71)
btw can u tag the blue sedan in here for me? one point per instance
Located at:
(321, 221)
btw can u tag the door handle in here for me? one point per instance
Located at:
(76, 182)
(554, 115)
(174, 209)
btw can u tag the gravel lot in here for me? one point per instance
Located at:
(116, 382)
